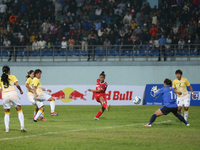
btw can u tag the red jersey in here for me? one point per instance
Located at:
(102, 86)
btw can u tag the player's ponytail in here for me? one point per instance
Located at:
(31, 71)
(102, 74)
(4, 76)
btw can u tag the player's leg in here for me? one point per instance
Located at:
(31, 99)
(186, 108)
(7, 119)
(20, 117)
(101, 101)
(6, 106)
(16, 103)
(40, 105)
(180, 104)
(52, 105)
(180, 117)
(153, 117)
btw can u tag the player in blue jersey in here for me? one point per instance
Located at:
(170, 105)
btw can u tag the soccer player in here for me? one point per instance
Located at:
(9, 95)
(39, 96)
(30, 93)
(170, 105)
(100, 95)
(183, 98)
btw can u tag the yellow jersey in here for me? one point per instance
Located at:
(30, 83)
(181, 86)
(9, 89)
(36, 82)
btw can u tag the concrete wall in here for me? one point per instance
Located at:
(116, 73)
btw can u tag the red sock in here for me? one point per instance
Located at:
(105, 105)
(98, 114)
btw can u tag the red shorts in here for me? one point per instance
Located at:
(97, 96)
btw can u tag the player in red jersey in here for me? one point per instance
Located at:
(100, 95)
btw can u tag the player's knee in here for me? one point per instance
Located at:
(186, 108)
(18, 108)
(42, 108)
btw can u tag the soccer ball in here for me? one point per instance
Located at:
(137, 100)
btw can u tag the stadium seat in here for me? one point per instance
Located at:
(69, 53)
(170, 53)
(76, 53)
(20, 53)
(48, 53)
(62, 53)
(5, 53)
(135, 52)
(150, 53)
(111, 53)
(83, 53)
(194, 52)
(34, 53)
(141, 53)
(98, 53)
(156, 53)
(55, 53)
(179, 53)
(186, 53)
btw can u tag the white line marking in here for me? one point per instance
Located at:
(48, 133)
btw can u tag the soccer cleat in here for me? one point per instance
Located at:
(96, 118)
(42, 119)
(34, 120)
(34, 117)
(188, 124)
(54, 114)
(108, 108)
(7, 131)
(23, 129)
(147, 125)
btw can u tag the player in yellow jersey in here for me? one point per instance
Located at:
(30, 93)
(9, 95)
(183, 98)
(40, 96)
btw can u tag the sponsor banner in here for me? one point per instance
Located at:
(150, 98)
(78, 94)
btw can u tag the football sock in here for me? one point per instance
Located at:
(153, 118)
(42, 115)
(98, 114)
(52, 105)
(181, 118)
(105, 105)
(38, 114)
(35, 112)
(7, 119)
(186, 112)
(21, 117)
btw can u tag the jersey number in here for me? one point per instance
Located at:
(172, 95)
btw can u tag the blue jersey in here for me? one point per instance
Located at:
(168, 96)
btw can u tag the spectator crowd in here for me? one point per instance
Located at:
(42, 24)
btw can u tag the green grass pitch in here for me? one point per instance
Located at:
(120, 129)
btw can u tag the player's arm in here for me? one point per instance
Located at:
(27, 85)
(34, 90)
(43, 89)
(177, 92)
(96, 91)
(191, 89)
(159, 92)
(18, 86)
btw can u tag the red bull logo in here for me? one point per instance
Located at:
(69, 94)
(117, 95)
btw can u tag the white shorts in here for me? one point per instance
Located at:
(31, 99)
(184, 101)
(40, 100)
(11, 99)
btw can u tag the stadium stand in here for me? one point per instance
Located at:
(99, 27)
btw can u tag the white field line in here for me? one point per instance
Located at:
(48, 133)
